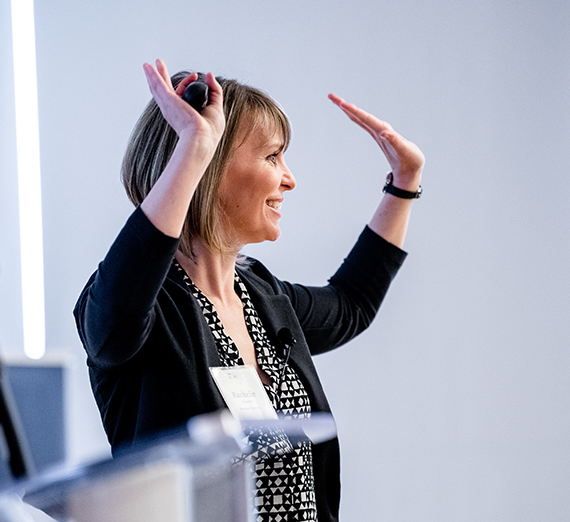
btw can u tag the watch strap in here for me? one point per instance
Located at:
(389, 188)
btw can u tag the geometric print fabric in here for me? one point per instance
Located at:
(283, 469)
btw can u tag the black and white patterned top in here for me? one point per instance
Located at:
(284, 484)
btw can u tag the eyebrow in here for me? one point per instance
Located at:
(274, 143)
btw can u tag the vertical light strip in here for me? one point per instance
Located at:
(29, 178)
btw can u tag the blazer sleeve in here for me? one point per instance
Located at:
(336, 313)
(116, 309)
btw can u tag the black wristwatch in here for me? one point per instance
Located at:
(399, 193)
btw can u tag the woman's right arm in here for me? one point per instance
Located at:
(115, 311)
(166, 205)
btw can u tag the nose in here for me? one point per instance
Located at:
(288, 181)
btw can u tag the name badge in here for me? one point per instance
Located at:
(243, 392)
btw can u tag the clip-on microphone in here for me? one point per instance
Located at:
(287, 340)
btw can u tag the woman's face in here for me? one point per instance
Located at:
(252, 187)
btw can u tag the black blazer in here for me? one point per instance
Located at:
(149, 348)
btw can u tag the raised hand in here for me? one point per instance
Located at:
(405, 158)
(207, 125)
(199, 133)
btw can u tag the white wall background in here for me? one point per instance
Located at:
(455, 404)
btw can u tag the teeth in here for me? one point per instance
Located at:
(274, 204)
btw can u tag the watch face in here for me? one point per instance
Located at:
(389, 179)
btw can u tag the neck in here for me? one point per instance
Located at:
(211, 271)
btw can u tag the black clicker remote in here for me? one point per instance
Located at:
(196, 94)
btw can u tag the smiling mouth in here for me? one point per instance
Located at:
(274, 204)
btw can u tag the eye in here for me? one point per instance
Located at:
(272, 158)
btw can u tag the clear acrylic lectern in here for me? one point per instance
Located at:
(176, 479)
(190, 477)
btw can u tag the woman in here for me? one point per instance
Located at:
(173, 298)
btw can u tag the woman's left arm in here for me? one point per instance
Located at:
(391, 218)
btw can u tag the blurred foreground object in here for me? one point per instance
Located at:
(187, 476)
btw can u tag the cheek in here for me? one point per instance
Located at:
(239, 207)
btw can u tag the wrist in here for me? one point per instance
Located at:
(407, 180)
(404, 188)
(197, 149)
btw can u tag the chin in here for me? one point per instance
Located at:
(271, 236)
(275, 236)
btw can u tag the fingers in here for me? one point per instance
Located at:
(370, 123)
(185, 82)
(163, 71)
(337, 100)
(151, 74)
(366, 119)
(181, 116)
(398, 151)
(216, 92)
(156, 79)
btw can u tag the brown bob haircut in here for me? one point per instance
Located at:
(153, 140)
